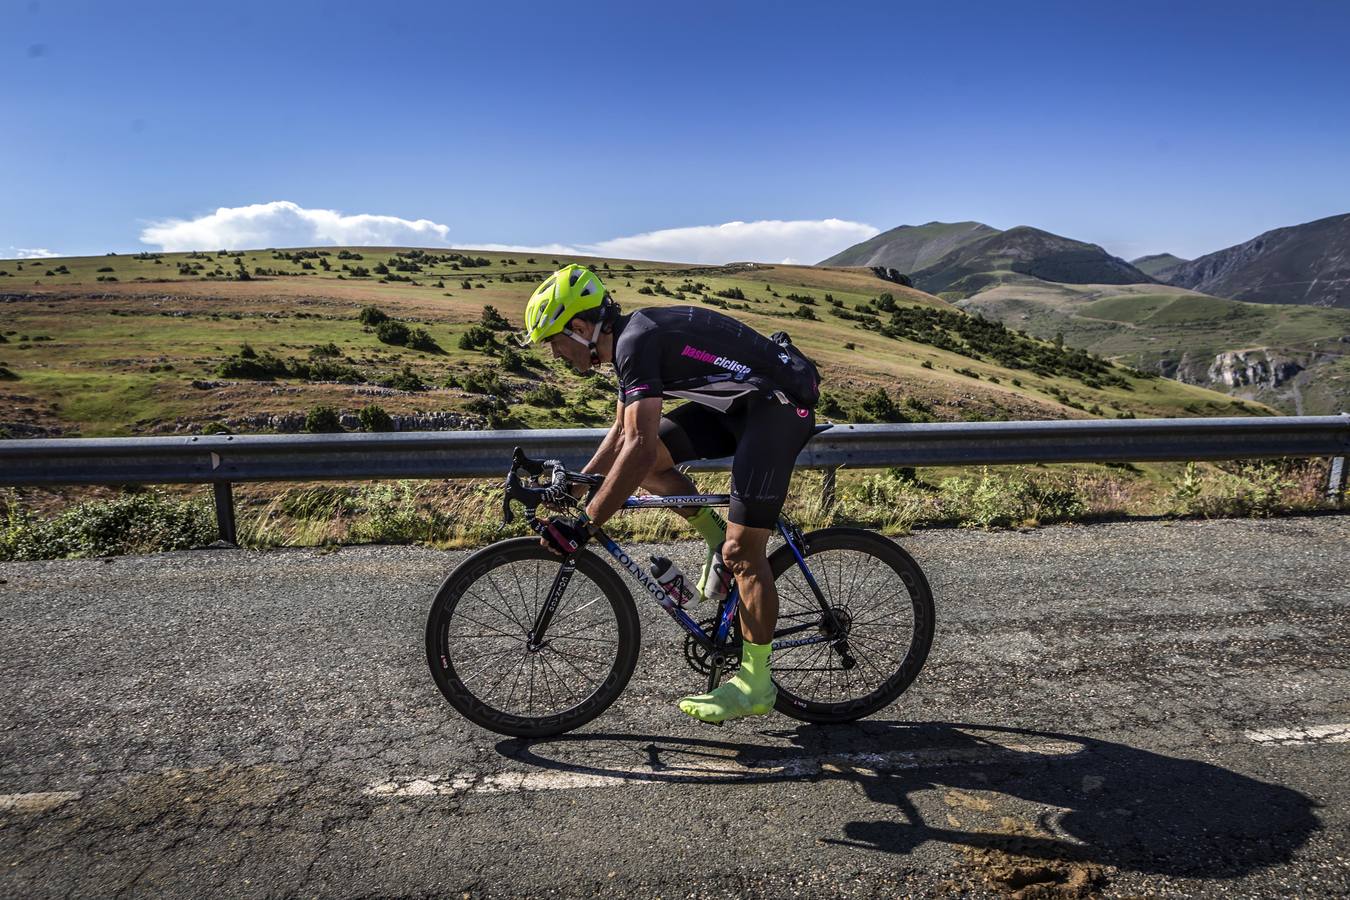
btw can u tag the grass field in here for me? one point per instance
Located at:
(143, 354)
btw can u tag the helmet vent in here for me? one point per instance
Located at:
(588, 289)
(572, 278)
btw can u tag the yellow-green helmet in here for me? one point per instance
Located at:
(568, 291)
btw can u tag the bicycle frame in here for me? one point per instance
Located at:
(720, 640)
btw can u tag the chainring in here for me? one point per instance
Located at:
(699, 658)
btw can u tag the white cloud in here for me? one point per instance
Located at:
(33, 253)
(282, 223)
(769, 240)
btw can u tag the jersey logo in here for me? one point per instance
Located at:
(721, 362)
(784, 359)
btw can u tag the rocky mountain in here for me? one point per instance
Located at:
(1158, 265)
(1306, 264)
(911, 247)
(1024, 251)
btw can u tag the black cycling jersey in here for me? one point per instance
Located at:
(707, 357)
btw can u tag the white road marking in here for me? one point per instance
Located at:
(715, 770)
(36, 802)
(1313, 734)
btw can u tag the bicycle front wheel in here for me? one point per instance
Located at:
(883, 614)
(477, 640)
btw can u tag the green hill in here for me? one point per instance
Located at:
(252, 340)
(1294, 358)
(911, 247)
(1159, 265)
(1024, 251)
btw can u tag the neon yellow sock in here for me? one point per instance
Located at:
(714, 531)
(750, 692)
(710, 525)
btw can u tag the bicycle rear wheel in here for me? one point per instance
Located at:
(477, 640)
(884, 608)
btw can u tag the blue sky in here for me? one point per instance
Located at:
(1140, 126)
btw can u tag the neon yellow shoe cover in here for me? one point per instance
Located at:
(714, 531)
(750, 692)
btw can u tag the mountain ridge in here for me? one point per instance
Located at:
(908, 248)
(1306, 264)
(1029, 251)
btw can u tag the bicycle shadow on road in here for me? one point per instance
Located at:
(1007, 794)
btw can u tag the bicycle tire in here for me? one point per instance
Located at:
(916, 596)
(444, 647)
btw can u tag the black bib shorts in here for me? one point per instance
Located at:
(762, 434)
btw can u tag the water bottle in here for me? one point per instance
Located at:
(719, 580)
(669, 576)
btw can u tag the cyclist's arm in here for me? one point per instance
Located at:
(608, 451)
(605, 454)
(637, 445)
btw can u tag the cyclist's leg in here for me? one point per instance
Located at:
(761, 473)
(692, 432)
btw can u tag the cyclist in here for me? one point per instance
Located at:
(750, 397)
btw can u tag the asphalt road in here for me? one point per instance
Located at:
(1125, 709)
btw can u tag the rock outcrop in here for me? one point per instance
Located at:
(1251, 368)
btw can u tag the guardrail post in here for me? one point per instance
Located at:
(827, 490)
(225, 512)
(1336, 479)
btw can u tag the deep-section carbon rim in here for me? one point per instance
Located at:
(883, 602)
(477, 640)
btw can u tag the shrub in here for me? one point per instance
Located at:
(8, 374)
(372, 315)
(405, 380)
(494, 409)
(1018, 499)
(926, 364)
(329, 349)
(482, 381)
(137, 523)
(326, 370)
(545, 395)
(733, 293)
(829, 405)
(392, 516)
(478, 337)
(323, 420)
(805, 312)
(374, 418)
(878, 405)
(512, 361)
(392, 331)
(1244, 489)
(253, 366)
(494, 320)
(421, 339)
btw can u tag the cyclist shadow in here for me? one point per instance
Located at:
(1092, 802)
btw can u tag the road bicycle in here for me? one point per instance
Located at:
(528, 644)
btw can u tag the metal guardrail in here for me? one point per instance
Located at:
(221, 460)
